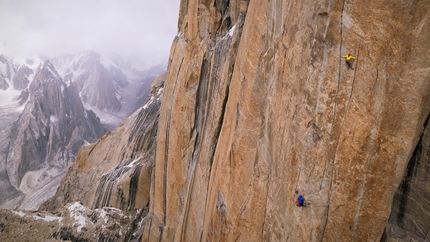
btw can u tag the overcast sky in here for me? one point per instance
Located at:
(145, 28)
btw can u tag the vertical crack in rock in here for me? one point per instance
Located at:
(132, 193)
(352, 89)
(106, 185)
(332, 160)
(199, 120)
(166, 155)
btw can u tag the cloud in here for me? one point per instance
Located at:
(53, 27)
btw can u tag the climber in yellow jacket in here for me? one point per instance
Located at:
(348, 58)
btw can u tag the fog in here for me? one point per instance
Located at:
(135, 29)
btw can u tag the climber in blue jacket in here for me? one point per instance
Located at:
(300, 201)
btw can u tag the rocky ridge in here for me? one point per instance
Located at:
(110, 86)
(72, 222)
(95, 82)
(17, 74)
(46, 138)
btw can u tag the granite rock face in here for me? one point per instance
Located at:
(259, 104)
(410, 212)
(46, 138)
(258, 107)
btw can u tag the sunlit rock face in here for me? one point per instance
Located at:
(259, 104)
(46, 138)
(258, 107)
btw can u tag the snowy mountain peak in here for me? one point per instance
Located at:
(18, 74)
(4, 59)
(48, 67)
(34, 63)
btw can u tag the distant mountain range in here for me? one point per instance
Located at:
(50, 108)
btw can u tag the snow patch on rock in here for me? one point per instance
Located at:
(19, 213)
(47, 218)
(148, 103)
(133, 162)
(75, 210)
(53, 118)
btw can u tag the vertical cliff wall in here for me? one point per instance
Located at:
(410, 212)
(259, 104)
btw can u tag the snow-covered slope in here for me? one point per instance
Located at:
(9, 113)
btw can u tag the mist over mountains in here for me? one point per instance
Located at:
(140, 31)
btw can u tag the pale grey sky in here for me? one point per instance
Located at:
(145, 28)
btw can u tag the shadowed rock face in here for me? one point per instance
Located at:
(410, 212)
(96, 80)
(3, 83)
(258, 103)
(47, 136)
(21, 79)
(6, 69)
(97, 88)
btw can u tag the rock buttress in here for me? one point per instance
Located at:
(259, 103)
